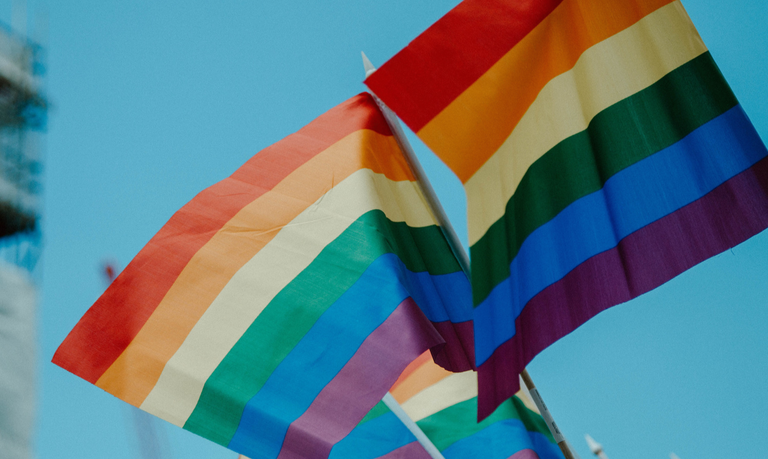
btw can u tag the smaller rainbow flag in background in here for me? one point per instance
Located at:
(444, 406)
(275, 309)
(601, 151)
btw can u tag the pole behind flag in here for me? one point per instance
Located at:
(457, 328)
(443, 405)
(461, 255)
(601, 151)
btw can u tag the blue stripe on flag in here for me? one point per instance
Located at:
(630, 200)
(373, 439)
(501, 440)
(327, 347)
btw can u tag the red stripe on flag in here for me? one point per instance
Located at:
(436, 67)
(116, 318)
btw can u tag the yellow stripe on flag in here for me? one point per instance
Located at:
(607, 73)
(132, 378)
(449, 391)
(250, 290)
(473, 126)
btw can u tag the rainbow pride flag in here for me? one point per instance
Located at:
(275, 309)
(444, 406)
(601, 151)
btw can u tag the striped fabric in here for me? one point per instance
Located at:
(601, 151)
(444, 406)
(278, 306)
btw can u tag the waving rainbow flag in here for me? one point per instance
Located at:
(601, 151)
(444, 406)
(275, 309)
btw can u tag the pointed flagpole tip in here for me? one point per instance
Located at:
(369, 68)
(594, 446)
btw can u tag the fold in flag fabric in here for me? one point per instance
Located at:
(275, 309)
(601, 151)
(444, 406)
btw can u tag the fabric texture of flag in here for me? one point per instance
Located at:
(601, 151)
(444, 406)
(275, 309)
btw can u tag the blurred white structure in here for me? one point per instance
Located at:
(17, 362)
(595, 447)
(673, 456)
(22, 118)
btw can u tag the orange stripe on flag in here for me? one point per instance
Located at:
(423, 359)
(110, 325)
(133, 375)
(427, 374)
(470, 130)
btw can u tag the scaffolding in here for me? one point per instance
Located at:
(22, 119)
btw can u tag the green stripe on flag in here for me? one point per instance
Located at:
(459, 421)
(617, 137)
(289, 316)
(378, 410)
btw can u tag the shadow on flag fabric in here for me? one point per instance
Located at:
(275, 309)
(601, 151)
(444, 406)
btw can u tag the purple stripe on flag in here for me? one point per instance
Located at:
(459, 355)
(343, 403)
(727, 216)
(410, 451)
(524, 454)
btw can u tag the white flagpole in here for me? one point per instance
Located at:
(565, 447)
(418, 171)
(595, 447)
(425, 442)
(449, 233)
(456, 247)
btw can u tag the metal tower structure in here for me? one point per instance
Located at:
(23, 111)
(22, 120)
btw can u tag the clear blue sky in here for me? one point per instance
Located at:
(154, 101)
